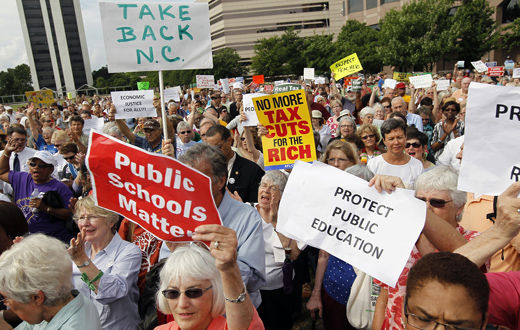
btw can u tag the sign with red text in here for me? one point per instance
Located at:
(286, 117)
(158, 193)
(205, 81)
(495, 71)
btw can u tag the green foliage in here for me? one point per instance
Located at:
(357, 37)
(16, 80)
(511, 37)
(318, 53)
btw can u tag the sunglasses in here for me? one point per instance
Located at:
(185, 132)
(40, 165)
(450, 109)
(366, 137)
(192, 293)
(215, 97)
(70, 157)
(435, 202)
(415, 145)
(148, 130)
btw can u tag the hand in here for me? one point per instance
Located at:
(113, 110)
(17, 239)
(446, 127)
(226, 252)
(434, 86)
(234, 195)
(386, 182)
(37, 203)
(79, 158)
(508, 211)
(262, 130)
(10, 146)
(76, 249)
(167, 148)
(72, 203)
(314, 305)
(376, 89)
(243, 116)
(31, 111)
(73, 136)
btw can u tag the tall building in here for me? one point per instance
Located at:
(55, 43)
(239, 24)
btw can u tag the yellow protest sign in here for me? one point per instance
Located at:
(346, 66)
(41, 98)
(286, 117)
(402, 76)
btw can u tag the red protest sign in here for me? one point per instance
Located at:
(258, 79)
(160, 194)
(268, 88)
(495, 71)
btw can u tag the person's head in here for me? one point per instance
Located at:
(211, 161)
(321, 100)
(379, 113)
(12, 224)
(152, 131)
(211, 111)
(399, 105)
(184, 131)
(416, 143)
(460, 153)
(114, 131)
(76, 124)
(394, 135)
(438, 188)
(271, 181)
(367, 115)
(68, 151)
(47, 121)
(18, 135)
(464, 85)
(386, 103)
(350, 94)
(205, 124)
(369, 135)
(220, 137)
(450, 110)
(426, 102)
(340, 154)
(400, 89)
(336, 107)
(216, 99)
(60, 138)
(36, 277)
(99, 224)
(41, 166)
(172, 108)
(190, 287)
(462, 113)
(347, 125)
(47, 134)
(425, 114)
(446, 288)
(317, 119)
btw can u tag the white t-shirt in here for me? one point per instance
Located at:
(407, 172)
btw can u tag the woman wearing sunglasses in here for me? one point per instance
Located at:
(370, 137)
(198, 287)
(417, 147)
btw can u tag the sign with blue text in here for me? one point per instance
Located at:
(147, 36)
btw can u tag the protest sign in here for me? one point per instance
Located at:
(346, 66)
(141, 85)
(308, 73)
(509, 64)
(390, 83)
(225, 85)
(442, 84)
(479, 66)
(172, 94)
(41, 98)
(134, 104)
(278, 82)
(460, 64)
(268, 88)
(491, 64)
(516, 73)
(372, 231)
(158, 193)
(286, 117)
(422, 81)
(401, 76)
(320, 80)
(357, 85)
(282, 88)
(205, 81)
(93, 124)
(491, 159)
(156, 36)
(249, 109)
(259, 79)
(495, 71)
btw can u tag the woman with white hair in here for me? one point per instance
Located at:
(184, 139)
(198, 287)
(105, 267)
(367, 115)
(35, 282)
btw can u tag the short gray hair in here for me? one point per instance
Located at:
(361, 171)
(276, 177)
(195, 263)
(37, 263)
(398, 98)
(367, 111)
(111, 128)
(89, 205)
(442, 177)
(345, 118)
(203, 152)
(182, 125)
(48, 130)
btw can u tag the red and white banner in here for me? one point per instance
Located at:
(160, 194)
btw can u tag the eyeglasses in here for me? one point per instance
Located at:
(269, 187)
(40, 165)
(191, 293)
(387, 106)
(435, 202)
(450, 109)
(339, 160)
(185, 132)
(69, 157)
(89, 218)
(347, 126)
(424, 323)
(366, 137)
(148, 130)
(415, 145)
(215, 97)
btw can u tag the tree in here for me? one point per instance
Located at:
(16, 80)
(318, 52)
(357, 37)
(511, 37)
(226, 64)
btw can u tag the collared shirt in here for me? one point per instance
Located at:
(23, 157)
(438, 132)
(415, 120)
(143, 143)
(116, 300)
(79, 313)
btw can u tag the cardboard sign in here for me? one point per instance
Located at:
(479, 66)
(442, 84)
(158, 193)
(93, 124)
(372, 231)
(390, 83)
(172, 94)
(496, 71)
(491, 64)
(156, 36)
(308, 73)
(402, 76)
(460, 64)
(134, 104)
(320, 80)
(286, 117)
(346, 66)
(422, 81)
(141, 85)
(41, 98)
(205, 81)
(491, 160)
(509, 64)
(249, 109)
(282, 88)
(259, 79)
(516, 73)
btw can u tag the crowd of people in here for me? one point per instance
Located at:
(66, 263)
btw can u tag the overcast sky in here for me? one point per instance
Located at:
(12, 49)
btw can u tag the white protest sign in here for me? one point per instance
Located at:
(491, 160)
(460, 64)
(95, 124)
(337, 212)
(156, 36)
(134, 104)
(249, 109)
(422, 81)
(479, 66)
(516, 73)
(172, 94)
(279, 82)
(390, 83)
(320, 80)
(205, 81)
(442, 84)
(225, 85)
(308, 73)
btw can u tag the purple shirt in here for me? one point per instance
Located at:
(40, 222)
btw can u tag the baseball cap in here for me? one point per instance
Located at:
(400, 85)
(45, 157)
(151, 124)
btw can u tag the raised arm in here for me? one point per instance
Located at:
(4, 160)
(412, 107)
(373, 96)
(437, 114)
(32, 123)
(121, 124)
